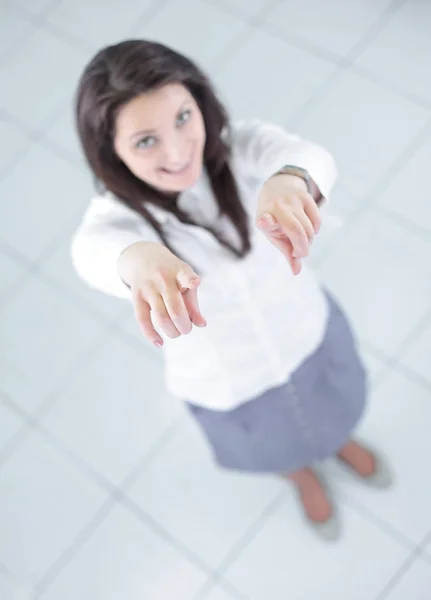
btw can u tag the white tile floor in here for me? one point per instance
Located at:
(106, 488)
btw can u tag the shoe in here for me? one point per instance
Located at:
(381, 478)
(329, 530)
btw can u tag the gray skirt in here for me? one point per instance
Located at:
(302, 422)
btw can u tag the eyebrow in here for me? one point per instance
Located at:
(145, 132)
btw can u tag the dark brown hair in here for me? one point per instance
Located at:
(115, 76)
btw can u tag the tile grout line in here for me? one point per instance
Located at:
(111, 321)
(248, 537)
(207, 587)
(405, 222)
(374, 30)
(144, 462)
(391, 86)
(340, 63)
(47, 401)
(150, 12)
(33, 20)
(257, 21)
(79, 542)
(346, 63)
(164, 534)
(424, 552)
(39, 135)
(386, 528)
(382, 183)
(115, 496)
(397, 576)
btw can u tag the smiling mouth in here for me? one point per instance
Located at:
(181, 170)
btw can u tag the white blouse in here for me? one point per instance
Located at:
(263, 322)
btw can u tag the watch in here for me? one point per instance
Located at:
(298, 172)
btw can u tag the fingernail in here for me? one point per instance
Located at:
(158, 343)
(265, 221)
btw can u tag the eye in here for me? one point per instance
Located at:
(146, 142)
(183, 117)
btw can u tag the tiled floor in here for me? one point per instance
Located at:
(107, 489)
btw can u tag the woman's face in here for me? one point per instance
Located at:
(160, 136)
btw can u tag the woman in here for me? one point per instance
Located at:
(192, 204)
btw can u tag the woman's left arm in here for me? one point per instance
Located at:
(296, 177)
(264, 149)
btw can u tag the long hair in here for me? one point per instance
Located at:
(115, 76)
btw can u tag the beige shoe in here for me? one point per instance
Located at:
(329, 530)
(381, 478)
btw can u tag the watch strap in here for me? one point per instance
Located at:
(298, 172)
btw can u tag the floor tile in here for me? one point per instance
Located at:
(243, 7)
(125, 559)
(260, 92)
(128, 325)
(13, 29)
(44, 193)
(373, 364)
(332, 25)
(217, 594)
(14, 144)
(83, 20)
(58, 267)
(14, 380)
(400, 52)
(38, 7)
(375, 262)
(206, 508)
(11, 588)
(340, 208)
(286, 560)
(63, 132)
(343, 201)
(416, 583)
(115, 410)
(397, 424)
(199, 35)
(43, 336)
(405, 194)
(417, 355)
(47, 66)
(44, 503)
(355, 120)
(10, 424)
(427, 549)
(381, 274)
(12, 274)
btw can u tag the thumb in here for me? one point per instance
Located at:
(188, 279)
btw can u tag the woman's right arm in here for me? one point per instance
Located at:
(115, 251)
(107, 229)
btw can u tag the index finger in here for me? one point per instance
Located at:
(293, 229)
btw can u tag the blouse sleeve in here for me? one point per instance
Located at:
(264, 148)
(108, 227)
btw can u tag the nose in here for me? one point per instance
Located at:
(175, 152)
